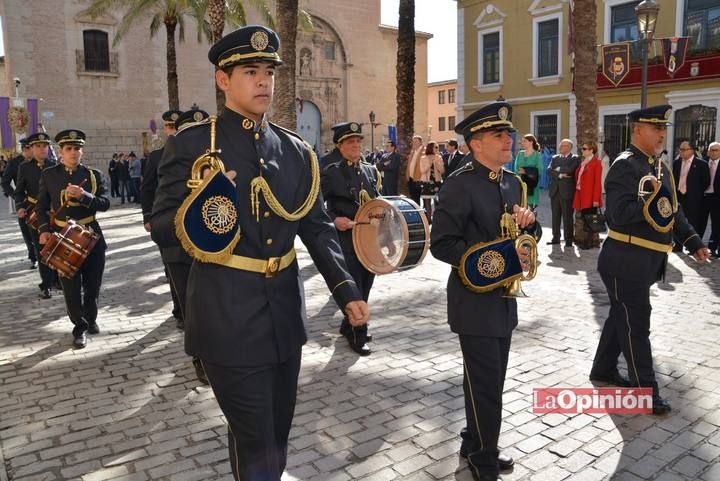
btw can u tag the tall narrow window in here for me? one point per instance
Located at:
(441, 124)
(451, 122)
(330, 50)
(441, 96)
(546, 131)
(547, 42)
(97, 55)
(451, 96)
(491, 58)
(702, 24)
(623, 28)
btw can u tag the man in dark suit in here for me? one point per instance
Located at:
(389, 165)
(472, 203)
(347, 183)
(634, 255)
(692, 178)
(452, 158)
(711, 201)
(245, 308)
(9, 182)
(562, 190)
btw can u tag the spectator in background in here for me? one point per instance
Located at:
(692, 178)
(135, 176)
(528, 165)
(123, 175)
(431, 171)
(452, 159)
(711, 201)
(112, 172)
(562, 191)
(588, 195)
(389, 165)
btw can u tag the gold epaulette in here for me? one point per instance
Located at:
(190, 125)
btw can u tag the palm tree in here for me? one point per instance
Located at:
(405, 83)
(287, 14)
(170, 13)
(585, 82)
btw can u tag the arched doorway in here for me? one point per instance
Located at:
(308, 123)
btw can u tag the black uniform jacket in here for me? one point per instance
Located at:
(342, 182)
(236, 317)
(470, 205)
(52, 195)
(10, 175)
(28, 183)
(624, 213)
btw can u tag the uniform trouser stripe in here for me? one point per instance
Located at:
(629, 333)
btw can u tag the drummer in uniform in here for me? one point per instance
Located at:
(9, 181)
(471, 204)
(60, 185)
(26, 198)
(177, 262)
(348, 182)
(634, 256)
(245, 308)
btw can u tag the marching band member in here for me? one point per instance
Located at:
(60, 186)
(9, 182)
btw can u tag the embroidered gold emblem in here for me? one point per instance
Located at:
(42, 137)
(197, 116)
(491, 264)
(259, 40)
(354, 127)
(664, 207)
(73, 134)
(174, 116)
(651, 161)
(248, 124)
(219, 214)
(493, 175)
(503, 113)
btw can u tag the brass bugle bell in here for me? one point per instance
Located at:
(654, 179)
(510, 229)
(209, 160)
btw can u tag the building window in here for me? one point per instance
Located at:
(441, 96)
(491, 58)
(330, 50)
(623, 28)
(451, 96)
(451, 122)
(441, 124)
(548, 41)
(97, 55)
(702, 24)
(617, 135)
(546, 131)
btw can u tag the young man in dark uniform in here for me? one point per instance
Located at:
(61, 185)
(346, 183)
(26, 197)
(634, 255)
(245, 315)
(471, 204)
(147, 197)
(177, 261)
(10, 178)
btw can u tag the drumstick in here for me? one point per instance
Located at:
(67, 200)
(365, 222)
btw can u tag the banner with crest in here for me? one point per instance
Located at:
(616, 62)
(674, 50)
(18, 119)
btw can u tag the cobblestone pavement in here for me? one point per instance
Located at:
(128, 407)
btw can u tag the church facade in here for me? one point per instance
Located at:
(116, 91)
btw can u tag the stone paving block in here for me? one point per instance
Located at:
(371, 465)
(690, 466)
(172, 468)
(533, 443)
(553, 473)
(412, 464)
(105, 474)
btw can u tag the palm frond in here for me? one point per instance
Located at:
(181, 28)
(305, 22)
(235, 15)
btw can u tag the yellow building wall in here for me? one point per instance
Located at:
(436, 110)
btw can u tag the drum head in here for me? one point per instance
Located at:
(381, 237)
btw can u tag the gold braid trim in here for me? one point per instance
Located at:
(378, 181)
(259, 185)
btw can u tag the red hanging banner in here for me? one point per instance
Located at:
(616, 62)
(674, 51)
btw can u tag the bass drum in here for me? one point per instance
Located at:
(67, 250)
(390, 234)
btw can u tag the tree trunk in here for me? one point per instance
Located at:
(216, 12)
(284, 112)
(585, 84)
(171, 57)
(405, 85)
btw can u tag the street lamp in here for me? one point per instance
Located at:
(371, 115)
(647, 14)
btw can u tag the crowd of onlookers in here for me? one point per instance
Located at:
(125, 173)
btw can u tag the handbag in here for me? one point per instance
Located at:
(594, 221)
(530, 177)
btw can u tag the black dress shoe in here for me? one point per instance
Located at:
(484, 477)
(660, 406)
(33, 264)
(180, 323)
(45, 294)
(359, 345)
(200, 371)
(93, 328)
(505, 462)
(553, 241)
(80, 341)
(616, 379)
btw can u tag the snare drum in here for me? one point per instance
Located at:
(31, 219)
(390, 234)
(67, 250)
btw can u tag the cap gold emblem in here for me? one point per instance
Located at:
(259, 40)
(247, 123)
(503, 113)
(72, 134)
(197, 116)
(354, 127)
(42, 137)
(174, 116)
